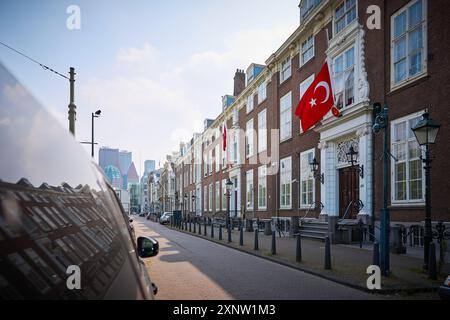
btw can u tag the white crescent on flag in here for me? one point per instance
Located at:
(323, 84)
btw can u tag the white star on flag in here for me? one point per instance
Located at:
(313, 102)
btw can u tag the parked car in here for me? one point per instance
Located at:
(165, 218)
(444, 290)
(63, 232)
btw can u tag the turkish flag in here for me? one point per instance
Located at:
(224, 146)
(317, 101)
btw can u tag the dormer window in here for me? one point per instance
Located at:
(306, 6)
(344, 15)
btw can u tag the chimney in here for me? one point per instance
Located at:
(239, 82)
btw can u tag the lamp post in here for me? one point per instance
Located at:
(95, 114)
(351, 157)
(426, 131)
(228, 186)
(193, 203)
(382, 122)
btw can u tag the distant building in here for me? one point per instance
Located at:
(149, 166)
(108, 157)
(114, 176)
(125, 159)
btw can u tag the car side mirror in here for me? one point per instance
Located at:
(147, 247)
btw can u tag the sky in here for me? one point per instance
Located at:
(156, 69)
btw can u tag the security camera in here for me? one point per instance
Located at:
(376, 128)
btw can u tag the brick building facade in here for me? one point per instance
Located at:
(404, 64)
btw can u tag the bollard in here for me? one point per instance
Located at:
(298, 251)
(327, 253)
(229, 233)
(273, 250)
(212, 231)
(256, 240)
(232, 224)
(195, 228)
(241, 236)
(376, 254)
(204, 229)
(220, 232)
(432, 269)
(199, 228)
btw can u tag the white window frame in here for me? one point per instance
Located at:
(262, 92)
(335, 31)
(249, 190)
(210, 197)
(250, 103)
(304, 49)
(409, 78)
(286, 69)
(224, 195)
(262, 185)
(217, 197)
(217, 157)
(262, 131)
(249, 135)
(306, 174)
(409, 138)
(205, 198)
(286, 111)
(345, 70)
(285, 179)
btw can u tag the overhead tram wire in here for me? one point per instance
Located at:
(43, 66)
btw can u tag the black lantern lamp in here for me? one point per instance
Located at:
(351, 158)
(315, 169)
(426, 131)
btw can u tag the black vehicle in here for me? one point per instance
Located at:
(63, 232)
(444, 290)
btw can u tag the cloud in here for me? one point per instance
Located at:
(149, 103)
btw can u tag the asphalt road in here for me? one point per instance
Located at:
(191, 268)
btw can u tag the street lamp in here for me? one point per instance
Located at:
(193, 197)
(351, 158)
(426, 131)
(314, 164)
(229, 187)
(95, 114)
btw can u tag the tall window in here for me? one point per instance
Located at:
(306, 179)
(250, 103)
(286, 117)
(305, 85)
(224, 195)
(285, 72)
(210, 198)
(205, 199)
(408, 53)
(344, 78)
(217, 157)
(249, 189)
(249, 138)
(407, 171)
(262, 92)
(307, 50)
(344, 14)
(217, 196)
(262, 188)
(235, 147)
(262, 131)
(286, 183)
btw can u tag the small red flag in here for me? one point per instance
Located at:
(316, 101)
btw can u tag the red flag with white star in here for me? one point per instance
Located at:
(317, 101)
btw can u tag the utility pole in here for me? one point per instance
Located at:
(72, 106)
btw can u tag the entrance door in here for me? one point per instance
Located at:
(348, 192)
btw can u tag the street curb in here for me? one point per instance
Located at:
(315, 273)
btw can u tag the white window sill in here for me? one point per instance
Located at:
(286, 208)
(407, 82)
(408, 204)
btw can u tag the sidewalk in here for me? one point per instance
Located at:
(349, 263)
